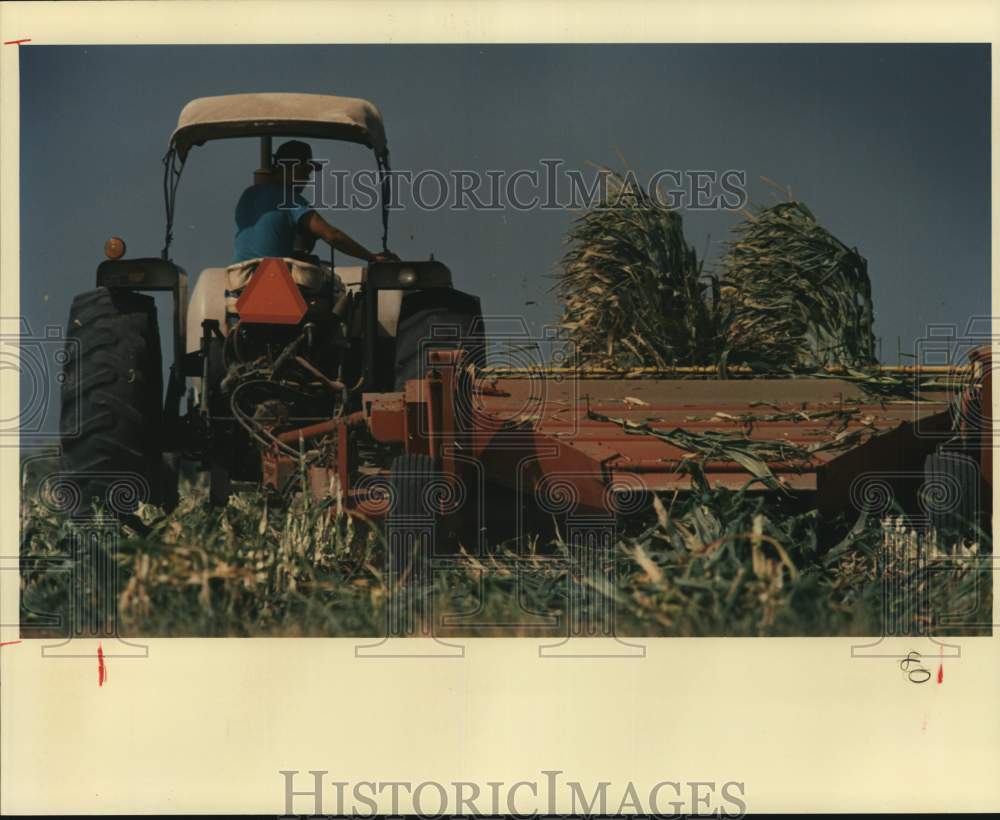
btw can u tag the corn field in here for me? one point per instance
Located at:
(711, 562)
(790, 297)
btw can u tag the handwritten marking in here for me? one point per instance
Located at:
(918, 675)
(941, 667)
(17, 42)
(102, 670)
(9, 643)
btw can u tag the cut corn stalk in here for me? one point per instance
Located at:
(793, 296)
(631, 285)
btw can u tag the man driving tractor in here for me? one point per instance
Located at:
(267, 226)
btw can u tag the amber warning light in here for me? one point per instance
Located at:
(114, 248)
(271, 297)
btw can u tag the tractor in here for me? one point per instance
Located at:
(261, 347)
(371, 384)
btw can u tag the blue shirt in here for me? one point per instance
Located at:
(263, 226)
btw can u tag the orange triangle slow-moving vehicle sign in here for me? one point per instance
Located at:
(271, 297)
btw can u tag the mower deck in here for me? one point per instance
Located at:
(606, 438)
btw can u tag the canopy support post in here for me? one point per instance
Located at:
(385, 192)
(172, 169)
(264, 172)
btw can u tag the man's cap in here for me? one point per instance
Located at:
(297, 150)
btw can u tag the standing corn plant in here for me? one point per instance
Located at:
(631, 285)
(793, 296)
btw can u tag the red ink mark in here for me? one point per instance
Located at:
(941, 667)
(9, 643)
(102, 670)
(17, 42)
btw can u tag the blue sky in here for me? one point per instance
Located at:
(887, 144)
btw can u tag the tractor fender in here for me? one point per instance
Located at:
(389, 301)
(448, 299)
(422, 315)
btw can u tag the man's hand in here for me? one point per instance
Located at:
(320, 228)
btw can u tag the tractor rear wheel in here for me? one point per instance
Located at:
(112, 402)
(436, 319)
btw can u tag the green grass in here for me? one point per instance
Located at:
(711, 562)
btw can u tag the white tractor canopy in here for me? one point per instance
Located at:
(318, 116)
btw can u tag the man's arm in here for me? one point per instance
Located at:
(340, 241)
